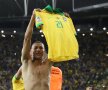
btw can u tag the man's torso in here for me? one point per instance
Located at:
(36, 76)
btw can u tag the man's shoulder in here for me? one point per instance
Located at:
(49, 61)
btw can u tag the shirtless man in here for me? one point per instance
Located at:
(35, 64)
(55, 79)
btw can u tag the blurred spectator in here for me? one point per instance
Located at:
(90, 69)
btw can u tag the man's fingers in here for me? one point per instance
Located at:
(38, 9)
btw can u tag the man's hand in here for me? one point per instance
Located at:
(33, 13)
(66, 14)
(38, 9)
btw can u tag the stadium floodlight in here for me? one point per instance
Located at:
(83, 34)
(78, 29)
(83, 54)
(2, 31)
(40, 31)
(106, 55)
(104, 28)
(91, 29)
(3, 35)
(42, 35)
(103, 86)
(15, 54)
(14, 31)
(91, 34)
(11, 35)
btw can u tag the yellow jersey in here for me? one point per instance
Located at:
(17, 84)
(60, 33)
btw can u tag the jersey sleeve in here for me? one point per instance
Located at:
(14, 79)
(72, 26)
(38, 20)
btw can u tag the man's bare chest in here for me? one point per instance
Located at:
(39, 69)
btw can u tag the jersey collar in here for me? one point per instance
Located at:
(56, 11)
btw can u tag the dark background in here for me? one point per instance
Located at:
(12, 12)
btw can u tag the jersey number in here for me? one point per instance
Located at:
(59, 24)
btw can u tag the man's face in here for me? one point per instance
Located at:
(37, 51)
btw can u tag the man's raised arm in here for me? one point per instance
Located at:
(27, 39)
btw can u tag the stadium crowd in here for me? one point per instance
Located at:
(91, 69)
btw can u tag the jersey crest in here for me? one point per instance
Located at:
(38, 19)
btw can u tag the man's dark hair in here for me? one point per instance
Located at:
(37, 42)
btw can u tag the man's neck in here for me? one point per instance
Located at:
(38, 61)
